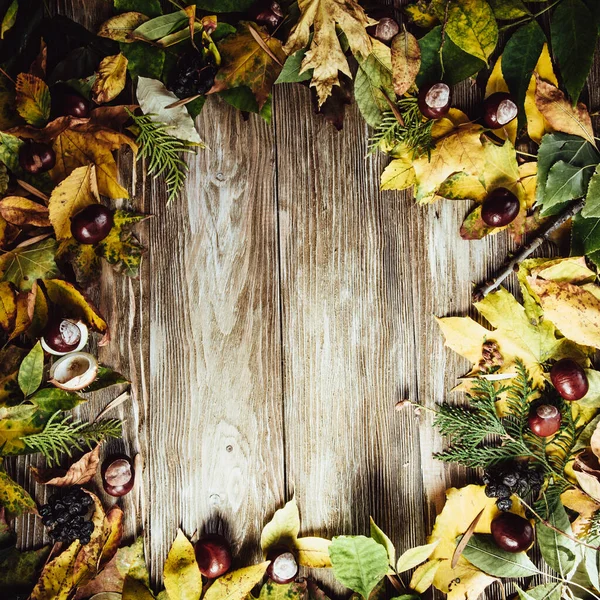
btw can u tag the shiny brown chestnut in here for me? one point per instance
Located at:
(267, 13)
(213, 555)
(118, 475)
(36, 157)
(62, 335)
(68, 103)
(499, 110)
(500, 208)
(283, 567)
(544, 420)
(569, 379)
(385, 30)
(512, 532)
(92, 224)
(434, 100)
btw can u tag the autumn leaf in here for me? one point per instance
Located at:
(236, 585)
(66, 295)
(313, 552)
(579, 502)
(22, 211)
(121, 27)
(133, 589)
(70, 196)
(113, 524)
(28, 262)
(406, 61)
(560, 114)
(83, 258)
(33, 99)
(79, 472)
(246, 63)
(325, 55)
(13, 497)
(110, 81)
(399, 174)
(8, 306)
(56, 580)
(283, 528)
(182, 577)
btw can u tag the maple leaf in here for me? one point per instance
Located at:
(325, 55)
(32, 260)
(112, 73)
(247, 63)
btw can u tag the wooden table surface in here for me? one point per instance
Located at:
(284, 307)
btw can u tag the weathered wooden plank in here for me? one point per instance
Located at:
(215, 426)
(348, 337)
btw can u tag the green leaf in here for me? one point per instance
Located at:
(9, 151)
(470, 24)
(159, 27)
(592, 200)
(585, 236)
(359, 563)
(291, 69)
(224, 6)
(508, 9)
(106, 377)
(31, 370)
(25, 264)
(546, 591)
(565, 183)
(150, 8)
(19, 570)
(483, 553)
(458, 65)
(381, 538)
(415, 556)
(143, 60)
(287, 591)
(592, 561)
(519, 59)
(558, 551)
(13, 497)
(52, 399)
(574, 32)
(10, 17)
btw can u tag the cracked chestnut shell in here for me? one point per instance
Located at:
(499, 110)
(283, 567)
(569, 379)
(36, 157)
(64, 335)
(434, 100)
(544, 420)
(92, 224)
(213, 555)
(500, 208)
(512, 532)
(118, 475)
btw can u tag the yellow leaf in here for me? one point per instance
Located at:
(460, 150)
(579, 502)
(237, 584)
(67, 296)
(134, 589)
(33, 99)
(398, 175)
(496, 83)
(463, 582)
(313, 552)
(325, 54)
(423, 576)
(56, 580)
(22, 211)
(560, 113)
(14, 498)
(121, 27)
(23, 316)
(183, 580)
(283, 528)
(70, 196)
(8, 306)
(537, 126)
(500, 165)
(406, 61)
(110, 81)
(462, 186)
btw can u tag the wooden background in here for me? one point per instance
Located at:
(284, 307)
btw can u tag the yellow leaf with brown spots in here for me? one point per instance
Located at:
(56, 580)
(33, 99)
(110, 80)
(23, 211)
(14, 498)
(537, 126)
(182, 577)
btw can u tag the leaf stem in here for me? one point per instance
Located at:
(483, 290)
(530, 18)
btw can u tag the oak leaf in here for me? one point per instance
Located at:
(79, 472)
(22, 211)
(70, 196)
(247, 63)
(33, 99)
(110, 81)
(182, 577)
(325, 55)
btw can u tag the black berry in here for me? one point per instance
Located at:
(65, 516)
(194, 74)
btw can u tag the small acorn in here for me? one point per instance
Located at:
(434, 100)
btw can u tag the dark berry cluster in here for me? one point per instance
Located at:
(503, 481)
(194, 74)
(64, 516)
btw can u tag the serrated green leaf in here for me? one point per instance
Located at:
(359, 563)
(415, 556)
(592, 562)
(565, 183)
(592, 199)
(224, 6)
(143, 60)
(51, 399)
(291, 69)
(585, 236)
(483, 553)
(31, 370)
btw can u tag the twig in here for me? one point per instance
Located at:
(482, 291)
(394, 581)
(393, 107)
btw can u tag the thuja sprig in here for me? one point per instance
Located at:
(163, 152)
(414, 131)
(64, 436)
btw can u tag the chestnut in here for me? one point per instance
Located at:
(434, 100)
(36, 157)
(68, 103)
(283, 567)
(118, 475)
(499, 110)
(64, 335)
(569, 379)
(268, 14)
(92, 224)
(512, 532)
(500, 208)
(544, 420)
(213, 555)
(385, 30)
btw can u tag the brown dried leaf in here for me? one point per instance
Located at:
(587, 471)
(22, 211)
(406, 61)
(79, 472)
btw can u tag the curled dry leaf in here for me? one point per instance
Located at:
(406, 61)
(79, 472)
(587, 471)
(22, 211)
(121, 27)
(112, 74)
